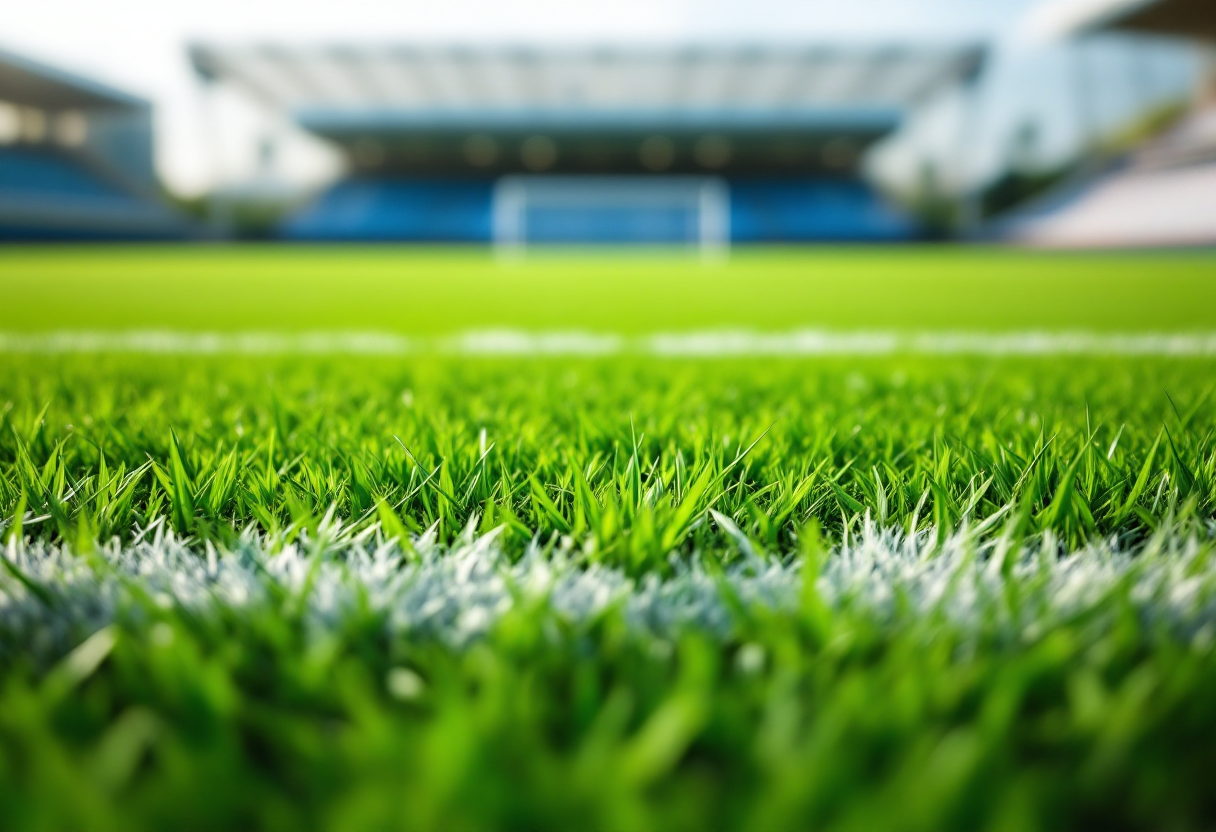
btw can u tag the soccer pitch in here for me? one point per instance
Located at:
(441, 291)
(841, 539)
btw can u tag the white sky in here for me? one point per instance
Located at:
(139, 45)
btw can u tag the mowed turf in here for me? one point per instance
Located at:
(441, 592)
(435, 291)
(626, 454)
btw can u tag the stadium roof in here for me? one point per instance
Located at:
(492, 111)
(1194, 19)
(456, 88)
(32, 84)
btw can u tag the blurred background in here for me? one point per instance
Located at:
(700, 123)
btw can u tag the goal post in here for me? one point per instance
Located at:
(688, 210)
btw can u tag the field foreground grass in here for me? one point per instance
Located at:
(445, 592)
(938, 584)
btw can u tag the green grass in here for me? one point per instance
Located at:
(992, 582)
(433, 292)
(625, 453)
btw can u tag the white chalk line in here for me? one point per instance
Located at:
(458, 593)
(694, 344)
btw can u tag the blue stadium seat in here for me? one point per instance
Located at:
(841, 210)
(46, 194)
(36, 172)
(460, 211)
(365, 209)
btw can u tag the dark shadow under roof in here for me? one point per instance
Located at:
(1189, 19)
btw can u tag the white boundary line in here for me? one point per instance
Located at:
(699, 344)
(457, 593)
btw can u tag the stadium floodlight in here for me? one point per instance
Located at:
(563, 209)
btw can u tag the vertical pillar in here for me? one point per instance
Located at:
(714, 219)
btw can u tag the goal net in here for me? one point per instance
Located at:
(671, 210)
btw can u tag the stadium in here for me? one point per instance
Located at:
(596, 146)
(1162, 191)
(75, 159)
(803, 423)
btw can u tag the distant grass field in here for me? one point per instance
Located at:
(428, 292)
(445, 591)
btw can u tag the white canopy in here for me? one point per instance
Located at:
(33, 84)
(412, 79)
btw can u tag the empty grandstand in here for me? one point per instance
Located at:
(75, 159)
(1162, 193)
(596, 145)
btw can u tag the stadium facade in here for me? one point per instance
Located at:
(596, 145)
(1163, 193)
(75, 159)
(1190, 19)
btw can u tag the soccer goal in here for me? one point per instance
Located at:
(670, 210)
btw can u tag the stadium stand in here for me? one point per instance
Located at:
(633, 144)
(368, 208)
(75, 159)
(1161, 194)
(841, 210)
(1175, 18)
